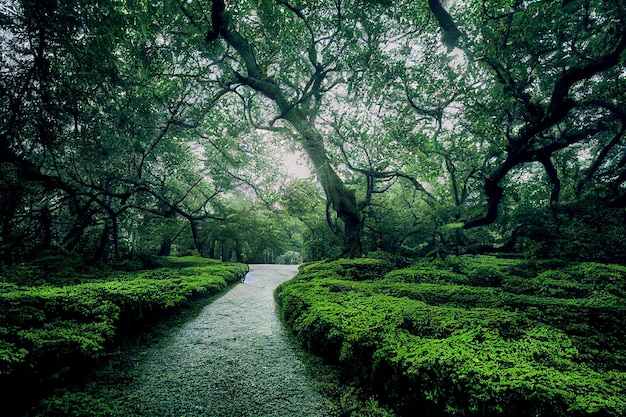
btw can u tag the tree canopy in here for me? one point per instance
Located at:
(132, 127)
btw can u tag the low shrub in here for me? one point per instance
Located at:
(483, 270)
(357, 269)
(45, 329)
(422, 338)
(394, 260)
(582, 280)
(425, 274)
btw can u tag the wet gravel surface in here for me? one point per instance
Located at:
(233, 360)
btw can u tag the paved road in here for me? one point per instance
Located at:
(232, 360)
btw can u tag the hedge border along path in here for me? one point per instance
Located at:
(452, 349)
(49, 331)
(234, 359)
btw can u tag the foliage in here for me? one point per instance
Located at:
(301, 199)
(138, 128)
(435, 336)
(432, 275)
(319, 242)
(110, 148)
(583, 230)
(48, 330)
(394, 260)
(289, 258)
(352, 269)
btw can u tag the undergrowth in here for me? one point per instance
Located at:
(59, 326)
(472, 336)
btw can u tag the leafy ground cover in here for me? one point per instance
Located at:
(49, 330)
(471, 335)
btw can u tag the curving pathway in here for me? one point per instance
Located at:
(232, 360)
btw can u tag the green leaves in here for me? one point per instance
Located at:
(434, 337)
(57, 326)
(119, 114)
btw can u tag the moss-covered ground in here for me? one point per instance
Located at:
(468, 336)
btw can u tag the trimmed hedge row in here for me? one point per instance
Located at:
(351, 269)
(436, 338)
(46, 329)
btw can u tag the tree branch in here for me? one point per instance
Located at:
(558, 108)
(451, 32)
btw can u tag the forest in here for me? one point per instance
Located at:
(457, 166)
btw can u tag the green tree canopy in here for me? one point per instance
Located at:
(428, 125)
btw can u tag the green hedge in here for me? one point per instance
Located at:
(352, 269)
(427, 274)
(46, 329)
(421, 338)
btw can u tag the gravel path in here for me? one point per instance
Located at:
(232, 360)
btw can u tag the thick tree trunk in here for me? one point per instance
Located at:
(341, 198)
(166, 247)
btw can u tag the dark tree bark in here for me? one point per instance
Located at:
(166, 247)
(450, 33)
(521, 150)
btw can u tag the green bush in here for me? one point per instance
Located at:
(394, 260)
(582, 280)
(426, 274)
(68, 323)
(421, 338)
(352, 269)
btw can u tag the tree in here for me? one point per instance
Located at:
(553, 75)
(95, 134)
(415, 116)
(280, 36)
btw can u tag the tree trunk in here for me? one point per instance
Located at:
(166, 247)
(211, 248)
(340, 197)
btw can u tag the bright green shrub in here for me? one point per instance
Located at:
(518, 284)
(11, 355)
(485, 276)
(558, 284)
(530, 268)
(482, 271)
(600, 279)
(60, 325)
(582, 280)
(598, 326)
(464, 263)
(418, 275)
(192, 260)
(449, 350)
(353, 269)
(394, 260)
